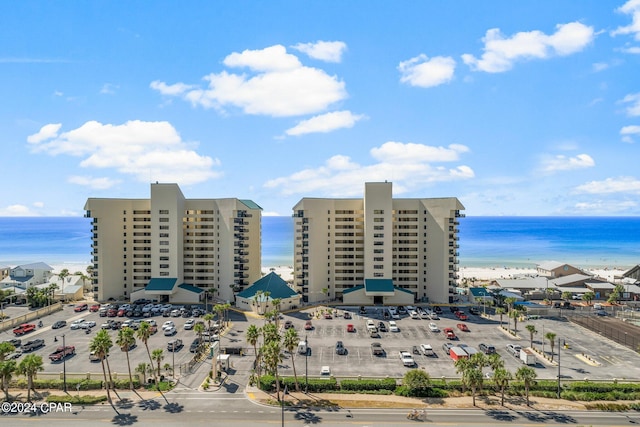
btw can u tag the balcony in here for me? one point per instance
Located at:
(240, 259)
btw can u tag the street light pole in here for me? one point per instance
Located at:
(558, 368)
(282, 404)
(64, 365)
(306, 366)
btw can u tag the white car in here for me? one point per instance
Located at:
(434, 316)
(76, 324)
(426, 349)
(433, 327)
(425, 314)
(414, 314)
(175, 313)
(393, 313)
(170, 331)
(87, 324)
(189, 324)
(325, 370)
(393, 326)
(168, 324)
(407, 359)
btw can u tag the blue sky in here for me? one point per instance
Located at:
(516, 108)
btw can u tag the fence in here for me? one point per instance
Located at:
(620, 332)
(29, 316)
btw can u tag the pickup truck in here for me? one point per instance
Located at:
(24, 329)
(376, 349)
(61, 353)
(448, 332)
(32, 345)
(407, 359)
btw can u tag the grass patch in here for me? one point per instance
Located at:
(78, 400)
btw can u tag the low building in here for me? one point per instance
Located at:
(260, 296)
(26, 275)
(553, 269)
(375, 290)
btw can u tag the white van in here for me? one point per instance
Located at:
(302, 347)
(597, 306)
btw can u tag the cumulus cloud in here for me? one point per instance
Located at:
(145, 150)
(631, 7)
(277, 84)
(624, 184)
(628, 133)
(564, 163)
(16, 210)
(633, 104)
(605, 206)
(500, 52)
(423, 71)
(410, 165)
(325, 123)
(324, 51)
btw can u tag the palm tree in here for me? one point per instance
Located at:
(199, 330)
(495, 362)
(500, 311)
(64, 273)
(588, 297)
(84, 279)
(144, 333)
(532, 331)
(126, 339)
(462, 367)
(219, 309)
(290, 342)
(227, 307)
(7, 369)
(552, 341)
(208, 318)
(30, 366)
(272, 357)
(501, 378)
(566, 295)
(527, 375)
(509, 301)
(514, 314)
(474, 380)
(142, 369)
(6, 348)
(253, 335)
(100, 345)
(158, 356)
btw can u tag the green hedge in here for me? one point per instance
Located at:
(72, 384)
(585, 386)
(369, 384)
(78, 400)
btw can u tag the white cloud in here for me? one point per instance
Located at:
(633, 99)
(16, 210)
(409, 165)
(46, 132)
(325, 123)
(324, 51)
(600, 66)
(93, 183)
(628, 132)
(500, 53)
(280, 86)
(633, 49)
(625, 184)
(38, 204)
(605, 206)
(563, 163)
(269, 213)
(632, 7)
(424, 72)
(147, 150)
(109, 89)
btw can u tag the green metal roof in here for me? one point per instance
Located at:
(161, 284)
(250, 204)
(378, 285)
(191, 288)
(272, 283)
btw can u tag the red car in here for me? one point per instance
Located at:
(81, 307)
(94, 308)
(308, 325)
(463, 327)
(351, 328)
(328, 316)
(448, 332)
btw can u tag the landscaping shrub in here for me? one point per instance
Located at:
(368, 384)
(78, 400)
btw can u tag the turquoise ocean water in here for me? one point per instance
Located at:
(484, 241)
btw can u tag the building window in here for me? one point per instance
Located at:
(378, 227)
(378, 219)
(378, 235)
(378, 251)
(164, 234)
(378, 212)
(378, 267)
(163, 212)
(164, 220)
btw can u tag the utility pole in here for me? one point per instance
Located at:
(306, 366)
(558, 368)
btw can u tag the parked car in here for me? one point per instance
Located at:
(81, 307)
(288, 324)
(340, 349)
(407, 359)
(393, 326)
(382, 327)
(346, 315)
(514, 349)
(487, 348)
(171, 330)
(174, 345)
(188, 325)
(76, 323)
(433, 327)
(168, 324)
(376, 349)
(351, 328)
(32, 345)
(308, 325)
(427, 350)
(59, 324)
(448, 332)
(463, 327)
(325, 370)
(194, 345)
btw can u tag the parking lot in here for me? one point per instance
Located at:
(611, 358)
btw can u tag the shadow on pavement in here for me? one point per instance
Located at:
(124, 419)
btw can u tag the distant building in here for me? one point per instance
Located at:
(259, 296)
(377, 249)
(553, 269)
(633, 274)
(174, 249)
(26, 275)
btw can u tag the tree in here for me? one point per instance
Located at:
(588, 297)
(527, 375)
(253, 335)
(6, 348)
(158, 356)
(100, 345)
(29, 367)
(84, 279)
(495, 362)
(417, 382)
(290, 342)
(142, 369)
(514, 314)
(552, 341)
(532, 331)
(126, 340)
(497, 296)
(272, 356)
(615, 296)
(500, 311)
(509, 301)
(474, 381)
(64, 273)
(219, 309)
(462, 367)
(208, 318)
(501, 378)
(144, 333)
(198, 329)
(566, 295)
(7, 369)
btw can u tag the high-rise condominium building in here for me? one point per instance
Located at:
(169, 248)
(377, 249)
